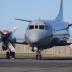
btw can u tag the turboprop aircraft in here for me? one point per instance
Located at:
(42, 34)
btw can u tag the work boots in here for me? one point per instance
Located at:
(7, 55)
(12, 55)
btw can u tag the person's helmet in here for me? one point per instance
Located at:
(5, 32)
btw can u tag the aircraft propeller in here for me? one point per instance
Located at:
(24, 20)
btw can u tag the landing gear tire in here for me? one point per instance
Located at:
(7, 55)
(38, 55)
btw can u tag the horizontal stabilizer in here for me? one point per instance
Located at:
(65, 28)
(62, 29)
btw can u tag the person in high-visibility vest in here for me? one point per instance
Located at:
(8, 43)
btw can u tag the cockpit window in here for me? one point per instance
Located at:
(31, 27)
(36, 26)
(41, 26)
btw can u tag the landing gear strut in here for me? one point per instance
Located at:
(37, 52)
(38, 55)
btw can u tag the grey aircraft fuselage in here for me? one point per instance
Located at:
(40, 33)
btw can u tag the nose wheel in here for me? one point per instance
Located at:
(37, 52)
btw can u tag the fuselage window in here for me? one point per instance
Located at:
(41, 26)
(36, 26)
(31, 26)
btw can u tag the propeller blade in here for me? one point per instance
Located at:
(24, 20)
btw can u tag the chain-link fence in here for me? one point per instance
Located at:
(56, 51)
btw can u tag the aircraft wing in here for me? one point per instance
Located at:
(61, 39)
(21, 41)
(62, 36)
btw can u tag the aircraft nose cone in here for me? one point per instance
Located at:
(33, 38)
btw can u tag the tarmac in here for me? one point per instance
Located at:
(32, 65)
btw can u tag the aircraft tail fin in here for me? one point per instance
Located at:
(60, 14)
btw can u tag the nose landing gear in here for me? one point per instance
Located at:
(38, 55)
